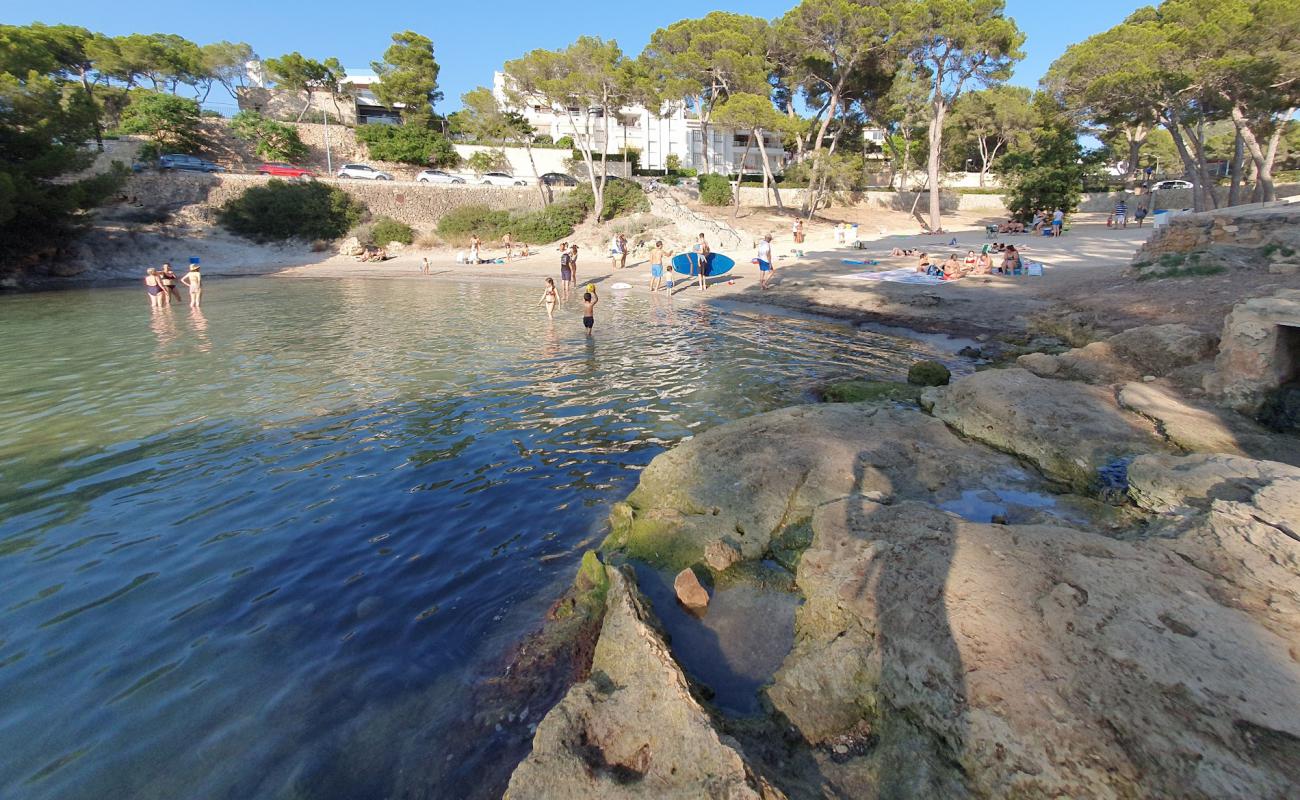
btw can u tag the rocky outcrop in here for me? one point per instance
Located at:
(1179, 484)
(633, 729)
(1030, 661)
(1259, 348)
(755, 483)
(1200, 429)
(1160, 349)
(1093, 363)
(1067, 429)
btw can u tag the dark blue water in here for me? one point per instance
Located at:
(264, 550)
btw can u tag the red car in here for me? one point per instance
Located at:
(282, 170)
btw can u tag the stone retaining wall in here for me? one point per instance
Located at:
(1249, 226)
(418, 205)
(898, 201)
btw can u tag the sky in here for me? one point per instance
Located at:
(472, 39)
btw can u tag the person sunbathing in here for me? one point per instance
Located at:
(951, 268)
(983, 265)
(923, 263)
(898, 251)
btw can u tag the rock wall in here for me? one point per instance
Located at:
(1249, 226)
(898, 201)
(418, 205)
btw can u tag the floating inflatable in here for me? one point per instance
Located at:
(689, 264)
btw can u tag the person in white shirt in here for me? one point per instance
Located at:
(764, 261)
(1058, 222)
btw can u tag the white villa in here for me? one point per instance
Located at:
(677, 132)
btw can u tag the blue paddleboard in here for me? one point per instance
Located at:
(689, 264)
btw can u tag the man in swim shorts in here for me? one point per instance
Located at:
(764, 261)
(657, 257)
(589, 301)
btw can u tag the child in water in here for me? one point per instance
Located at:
(550, 297)
(589, 301)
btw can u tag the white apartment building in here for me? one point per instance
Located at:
(676, 132)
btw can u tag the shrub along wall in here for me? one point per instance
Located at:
(420, 206)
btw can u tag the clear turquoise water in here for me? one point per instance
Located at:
(263, 551)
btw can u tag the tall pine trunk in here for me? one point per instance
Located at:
(936, 146)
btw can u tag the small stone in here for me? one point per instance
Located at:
(841, 749)
(721, 554)
(1148, 378)
(689, 591)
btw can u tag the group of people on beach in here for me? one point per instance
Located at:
(982, 263)
(161, 285)
(1119, 216)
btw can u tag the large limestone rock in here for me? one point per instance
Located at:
(1199, 429)
(756, 481)
(1178, 484)
(633, 730)
(1067, 429)
(1095, 362)
(1161, 349)
(1257, 336)
(964, 659)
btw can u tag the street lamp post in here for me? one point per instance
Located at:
(325, 122)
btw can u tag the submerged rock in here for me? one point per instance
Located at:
(633, 729)
(1068, 430)
(689, 591)
(928, 373)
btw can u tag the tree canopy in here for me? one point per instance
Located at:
(409, 76)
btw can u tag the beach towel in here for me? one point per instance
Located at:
(897, 276)
(863, 263)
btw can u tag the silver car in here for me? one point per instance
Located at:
(501, 179)
(363, 171)
(437, 176)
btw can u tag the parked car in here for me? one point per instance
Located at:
(559, 179)
(280, 169)
(1162, 185)
(437, 176)
(192, 163)
(501, 179)
(363, 171)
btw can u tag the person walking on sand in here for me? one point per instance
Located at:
(764, 261)
(589, 301)
(615, 251)
(797, 230)
(474, 244)
(508, 242)
(657, 257)
(169, 280)
(1058, 221)
(193, 281)
(153, 287)
(550, 298)
(424, 265)
(622, 251)
(701, 249)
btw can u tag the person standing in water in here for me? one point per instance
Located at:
(153, 287)
(764, 261)
(702, 253)
(424, 265)
(573, 265)
(566, 271)
(550, 298)
(193, 281)
(589, 301)
(169, 280)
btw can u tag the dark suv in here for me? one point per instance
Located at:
(193, 163)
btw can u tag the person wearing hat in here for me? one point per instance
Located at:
(193, 281)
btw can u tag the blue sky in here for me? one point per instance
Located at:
(474, 38)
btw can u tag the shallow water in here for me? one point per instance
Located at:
(261, 551)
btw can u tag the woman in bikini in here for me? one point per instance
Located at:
(550, 298)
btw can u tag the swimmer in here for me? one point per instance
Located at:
(589, 301)
(550, 297)
(193, 281)
(169, 284)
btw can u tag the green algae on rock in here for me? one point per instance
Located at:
(928, 373)
(860, 391)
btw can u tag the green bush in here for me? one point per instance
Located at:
(410, 143)
(387, 229)
(622, 197)
(551, 224)
(715, 190)
(280, 210)
(170, 122)
(273, 141)
(564, 142)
